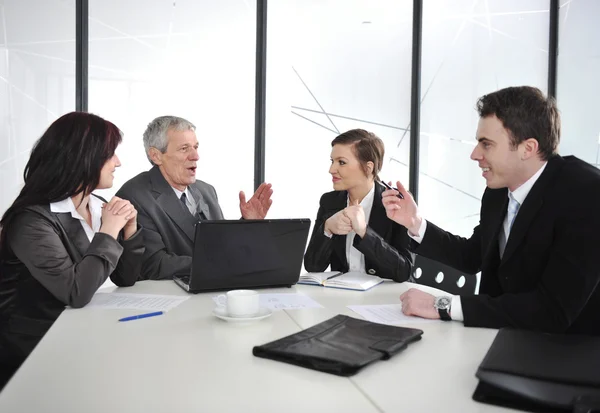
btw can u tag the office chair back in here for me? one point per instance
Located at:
(441, 276)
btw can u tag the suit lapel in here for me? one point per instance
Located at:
(497, 210)
(167, 200)
(201, 206)
(378, 220)
(339, 241)
(532, 204)
(75, 233)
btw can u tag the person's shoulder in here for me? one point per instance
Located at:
(333, 197)
(31, 216)
(579, 182)
(203, 186)
(139, 182)
(579, 170)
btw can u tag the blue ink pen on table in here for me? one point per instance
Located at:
(136, 317)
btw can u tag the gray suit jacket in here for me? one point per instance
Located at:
(168, 226)
(49, 263)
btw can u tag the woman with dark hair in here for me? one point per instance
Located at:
(59, 242)
(352, 232)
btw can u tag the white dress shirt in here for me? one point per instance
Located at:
(356, 259)
(519, 195)
(95, 206)
(189, 199)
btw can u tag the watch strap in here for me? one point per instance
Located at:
(444, 315)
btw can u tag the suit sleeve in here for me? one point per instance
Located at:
(395, 257)
(129, 268)
(318, 254)
(464, 254)
(37, 244)
(570, 277)
(158, 264)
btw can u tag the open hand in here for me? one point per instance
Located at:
(258, 206)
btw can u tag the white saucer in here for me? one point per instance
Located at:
(221, 313)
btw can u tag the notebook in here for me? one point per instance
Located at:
(349, 280)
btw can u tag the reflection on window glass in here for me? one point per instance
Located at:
(333, 66)
(578, 87)
(37, 80)
(470, 48)
(193, 59)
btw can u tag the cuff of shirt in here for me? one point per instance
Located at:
(327, 234)
(456, 309)
(419, 238)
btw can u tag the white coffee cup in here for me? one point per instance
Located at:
(240, 303)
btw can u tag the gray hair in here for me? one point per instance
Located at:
(155, 135)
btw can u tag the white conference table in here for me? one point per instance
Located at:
(187, 360)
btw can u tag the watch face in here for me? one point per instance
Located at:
(443, 302)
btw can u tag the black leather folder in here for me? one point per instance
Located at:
(540, 372)
(341, 345)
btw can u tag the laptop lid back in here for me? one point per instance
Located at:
(230, 254)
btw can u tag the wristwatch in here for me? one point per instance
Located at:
(442, 304)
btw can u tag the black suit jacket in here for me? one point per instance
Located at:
(49, 264)
(548, 276)
(384, 245)
(167, 225)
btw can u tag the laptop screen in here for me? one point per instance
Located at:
(248, 253)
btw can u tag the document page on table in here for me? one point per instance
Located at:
(387, 314)
(136, 301)
(284, 301)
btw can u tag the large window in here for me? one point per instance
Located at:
(193, 59)
(578, 85)
(37, 80)
(470, 48)
(333, 66)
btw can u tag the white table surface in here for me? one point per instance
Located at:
(189, 361)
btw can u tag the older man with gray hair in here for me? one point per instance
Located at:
(170, 200)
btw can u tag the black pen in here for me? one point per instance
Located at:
(333, 276)
(395, 189)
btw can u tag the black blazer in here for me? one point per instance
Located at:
(50, 264)
(168, 226)
(548, 276)
(385, 245)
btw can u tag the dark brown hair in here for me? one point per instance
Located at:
(526, 113)
(64, 162)
(367, 147)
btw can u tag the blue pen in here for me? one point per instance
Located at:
(135, 317)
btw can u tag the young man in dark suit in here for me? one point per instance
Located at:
(538, 242)
(170, 200)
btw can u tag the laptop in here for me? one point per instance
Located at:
(232, 254)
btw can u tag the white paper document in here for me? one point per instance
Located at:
(288, 301)
(285, 301)
(136, 301)
(387, 314)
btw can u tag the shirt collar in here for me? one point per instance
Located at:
(521, 192)
(67, 206)
(178, 193)
(367, 200)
